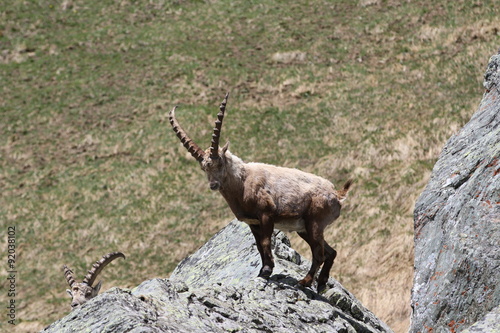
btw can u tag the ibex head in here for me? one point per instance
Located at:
(81, 292)
(212, 160)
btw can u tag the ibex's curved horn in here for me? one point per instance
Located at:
(99, 265)
(214, 148)
(192, 147)
(68, 273)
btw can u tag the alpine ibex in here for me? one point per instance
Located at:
(267, 197)
(81, 292)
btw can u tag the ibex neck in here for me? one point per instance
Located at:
(233, 186)
(235, 173)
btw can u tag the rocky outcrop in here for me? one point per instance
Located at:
(216, 290)
(489, 324)
(457, 225)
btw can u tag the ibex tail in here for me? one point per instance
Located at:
(342, 194)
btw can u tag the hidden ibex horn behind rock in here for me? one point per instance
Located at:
(267, 197)
(81, 292)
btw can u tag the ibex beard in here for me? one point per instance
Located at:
(266, 197)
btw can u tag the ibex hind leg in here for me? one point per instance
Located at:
(316, 243)
(331, 254)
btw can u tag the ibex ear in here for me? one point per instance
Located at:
(224, 149)
(97, 287)
(69, 293)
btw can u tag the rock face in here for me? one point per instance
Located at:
(216, 290)
(489, 324)
(457, 226)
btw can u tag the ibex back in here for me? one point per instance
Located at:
(267, 197)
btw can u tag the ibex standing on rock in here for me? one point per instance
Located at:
(81, 292)
(267, 197)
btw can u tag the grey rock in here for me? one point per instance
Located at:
(216, 290)
(489, 324)
(457, 224)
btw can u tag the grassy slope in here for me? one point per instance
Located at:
(88, 163)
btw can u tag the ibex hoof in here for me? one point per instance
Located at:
(321, 288)
(306, 282)
(265, 272)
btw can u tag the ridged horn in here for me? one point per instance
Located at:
(214, 148)
(192, 147)
(68, 274)
(99, 265)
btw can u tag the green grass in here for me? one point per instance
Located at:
(89, 164)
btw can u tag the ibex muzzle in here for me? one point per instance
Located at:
(267, 197)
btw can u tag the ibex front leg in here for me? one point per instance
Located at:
(263, 233)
